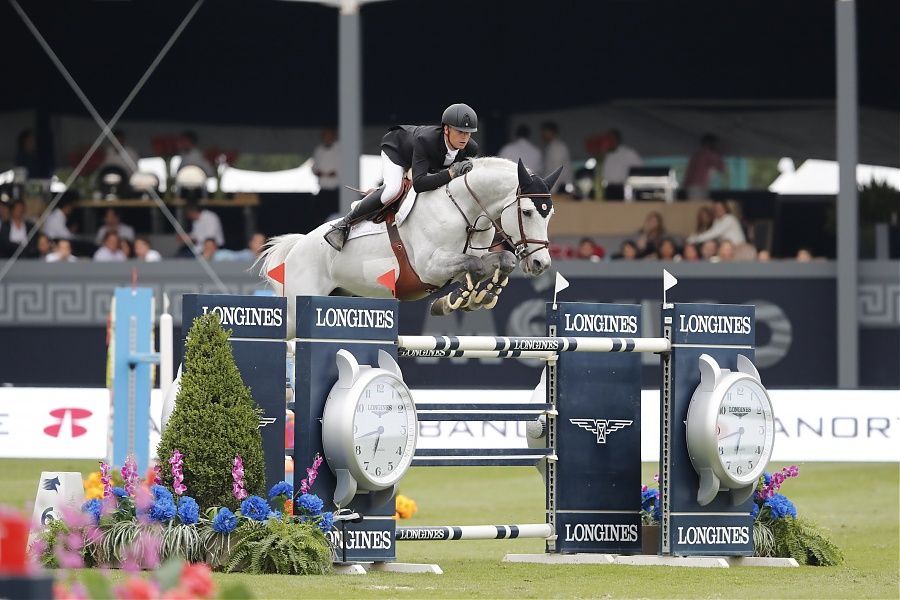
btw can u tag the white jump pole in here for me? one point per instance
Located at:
(477, 343)
(444, 533)
(166, 350)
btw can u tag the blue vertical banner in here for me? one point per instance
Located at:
(258, 326)
(598, 432)
(722, 331)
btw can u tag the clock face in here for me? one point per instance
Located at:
(744, 430)
(384, 429)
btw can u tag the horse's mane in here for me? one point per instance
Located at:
(494, 162)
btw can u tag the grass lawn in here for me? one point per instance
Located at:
(859, 503)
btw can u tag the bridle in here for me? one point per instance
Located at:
(520, 247)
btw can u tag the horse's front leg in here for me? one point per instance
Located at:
(467, 269)
(498, 265)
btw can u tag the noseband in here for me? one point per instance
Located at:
(520, 247)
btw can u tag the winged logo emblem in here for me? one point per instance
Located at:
(263, 421)
(601, 427)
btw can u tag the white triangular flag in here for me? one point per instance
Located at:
(669, 281)
(561, 283)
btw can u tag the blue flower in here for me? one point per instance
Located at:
(275, 514)
(327, 522)
(119, 492)
(93, 508)
(255, 508)
(161, 493)
(282, 488)
(225, 521)
(188, 510)
(649, 499)
(162, 510)
(657, 511)
(755, 510)
(767, 478)
(781, 507)
(311, 504)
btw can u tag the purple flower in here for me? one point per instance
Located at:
(177, 462)
(237, 474)
(130, 475)
(311, 473)
(105, 479)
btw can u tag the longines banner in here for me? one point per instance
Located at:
(811, 425)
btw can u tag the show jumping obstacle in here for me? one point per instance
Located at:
(590, 422)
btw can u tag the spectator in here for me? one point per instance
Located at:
(745, 253)
(111, 250)
(144, 251)
(556, 154)
(27, 154)
(210, 247)
(616, 166)
(62, 252)
(706, 159)
(764, 256)
(804, 255)
(589, 250)
(725, 226)
(114, 159)
(651, 234)
(4, 211)
(690, 253)
(56, 225)
(522, 148)
(43, 246)
(710, 250)
(668, 250)
(190, 154)
(726, 251)
(251, 252)
(705, 218)
(628, 251)
(112, 222)
(326, 161)
(127, 248)
(14, 232)
(206, 225)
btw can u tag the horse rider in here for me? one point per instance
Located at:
(436, 154)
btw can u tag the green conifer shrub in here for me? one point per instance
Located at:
(215, 418)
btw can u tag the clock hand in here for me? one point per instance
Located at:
(725, 437)
(379, 430)
(737, 446)
(377, 441)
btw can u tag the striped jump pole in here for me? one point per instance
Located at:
(481, 343)
(446, 533)
(540, 354)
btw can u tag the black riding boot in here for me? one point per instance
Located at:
(366, 207)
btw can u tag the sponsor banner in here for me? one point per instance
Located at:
(810, 425)
(344, 318)
(711, 534)
(711, 324)
(370, 540)
(591, 531)
(246, 316)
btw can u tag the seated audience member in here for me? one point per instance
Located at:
(56, 226)
(588, 250)
(62, 252)
(745, 253)
(726, 226)
(111, 250)
(112, 222)
(251, 252)
(763, 256)
(690, 253)
(43, 246)
(127, 248)
(651, 234)
(186, 249)
(726, 251)
(561, 251)
(14, 232)
(804, 255)
(709, 250)
(628, 251)
(144, 251)
(705, 218)
(209, 248)
(668, 250)
(205, 225)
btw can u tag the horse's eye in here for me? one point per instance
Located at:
(527, 213)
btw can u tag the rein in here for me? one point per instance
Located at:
(520, 248)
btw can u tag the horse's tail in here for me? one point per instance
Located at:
(274, 253)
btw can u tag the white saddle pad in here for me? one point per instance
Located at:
(369, 228)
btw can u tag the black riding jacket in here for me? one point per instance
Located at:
(422, 148)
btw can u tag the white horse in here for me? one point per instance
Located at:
(448, 237)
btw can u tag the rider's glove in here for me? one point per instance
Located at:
(460, 168)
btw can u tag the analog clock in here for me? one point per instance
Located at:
(730, 429)
(369, 428)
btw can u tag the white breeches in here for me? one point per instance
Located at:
(393, 175)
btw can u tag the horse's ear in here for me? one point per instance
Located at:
(550, 179)
(524, 175)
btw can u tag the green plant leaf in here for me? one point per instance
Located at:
(168, 574)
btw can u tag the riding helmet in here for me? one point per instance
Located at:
(460, 116)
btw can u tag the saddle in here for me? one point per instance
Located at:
(408, 285)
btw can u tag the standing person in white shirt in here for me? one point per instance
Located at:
(521, 147)
(55, 226)
(326, 158)
(111, 250)
(725, 226)
(191, 155)
(556, 154)
(206, 225)
(617, 164)
(112, 222)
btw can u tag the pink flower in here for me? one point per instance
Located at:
(157, 472)
(177, 462)
(137, 588)
(105, 479)
(656, 477)
(311, 474)
(197, 580)
(644, 488)
(130, 475)
(237, 473)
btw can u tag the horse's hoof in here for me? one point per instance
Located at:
(439, 308)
